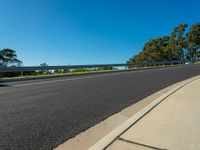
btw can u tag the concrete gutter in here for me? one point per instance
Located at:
(112, 136)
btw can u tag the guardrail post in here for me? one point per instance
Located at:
(21, 73)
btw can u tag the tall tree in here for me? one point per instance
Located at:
(155, 50)
(177, 46)
(178, 42)
(193, 40)
(8, 57)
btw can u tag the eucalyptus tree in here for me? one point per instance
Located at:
(178, 43)
(193, 40)
(156, 50)
(177, 46)
(8, 57)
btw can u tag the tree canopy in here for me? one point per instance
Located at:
(8, 57)
(193, 40)
(179, 45)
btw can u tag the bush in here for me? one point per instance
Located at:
(80, 70)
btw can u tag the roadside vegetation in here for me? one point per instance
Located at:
(28, 74)
(178, 46)
(181, 45)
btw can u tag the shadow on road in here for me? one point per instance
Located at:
(3, 85)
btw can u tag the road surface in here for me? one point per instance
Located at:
(41, 114)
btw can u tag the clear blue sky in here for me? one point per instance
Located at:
(61, 32)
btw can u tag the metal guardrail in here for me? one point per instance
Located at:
(40, 68)
(44, 68)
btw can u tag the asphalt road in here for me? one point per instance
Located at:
(41, 114)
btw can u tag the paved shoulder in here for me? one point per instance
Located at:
(173, 124)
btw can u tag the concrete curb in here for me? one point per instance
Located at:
(112, 136)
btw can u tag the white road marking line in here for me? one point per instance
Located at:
(55, 81)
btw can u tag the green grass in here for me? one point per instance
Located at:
(55, 74)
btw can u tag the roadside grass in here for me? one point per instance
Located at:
(56, 74)
(79, 72)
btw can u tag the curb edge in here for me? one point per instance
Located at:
(113, 135)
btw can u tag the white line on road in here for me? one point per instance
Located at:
(55, 81)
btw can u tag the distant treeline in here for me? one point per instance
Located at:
(8, 58)
(182, 44)
(179, 45)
